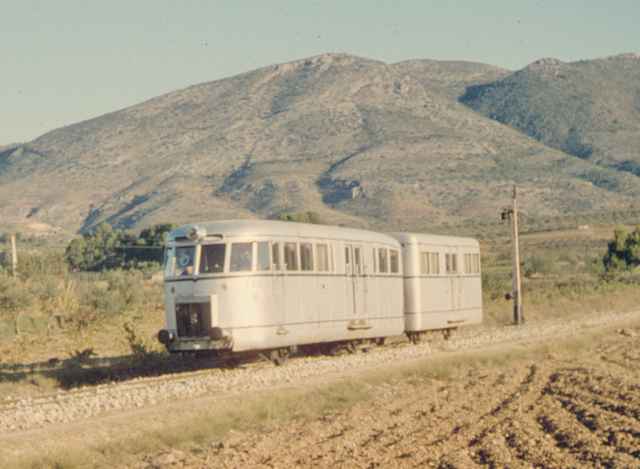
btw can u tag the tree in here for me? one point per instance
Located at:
(108, 248)
(155, 235)
(623, 252)
(301, 217)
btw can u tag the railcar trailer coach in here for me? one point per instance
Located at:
(442, 283)
(247, 285)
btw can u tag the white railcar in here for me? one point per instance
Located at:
(442, 283)
(268, 285)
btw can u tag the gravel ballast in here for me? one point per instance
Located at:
(18, 414)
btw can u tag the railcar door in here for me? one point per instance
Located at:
(349, 299)
(278, 284)
(355, 273)
(454, 280)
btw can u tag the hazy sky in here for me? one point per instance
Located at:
(65, 61)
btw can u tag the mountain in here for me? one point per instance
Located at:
(590, 108)
(359, 141)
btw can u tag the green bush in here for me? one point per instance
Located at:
(301, 217)
(623, 252)
(106, 248)
(99, 250)
(113, 292)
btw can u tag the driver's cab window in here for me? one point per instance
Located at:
(241, 257)
(185, 259)
(212, 258)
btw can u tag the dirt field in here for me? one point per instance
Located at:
(569, 405)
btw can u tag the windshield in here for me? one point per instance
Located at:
(212, 258)
(183, 261)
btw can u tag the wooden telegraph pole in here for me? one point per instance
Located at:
(516, 294)
(14, 255)
(518, 318)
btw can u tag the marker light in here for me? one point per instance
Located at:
(196, 233)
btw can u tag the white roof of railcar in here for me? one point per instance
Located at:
(236, 228)
(435, 240)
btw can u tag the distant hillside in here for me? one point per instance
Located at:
(359, 141)
(590, 108)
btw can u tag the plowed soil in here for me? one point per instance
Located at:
(568, 406)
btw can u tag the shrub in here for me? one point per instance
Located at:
(623, 252)
(99, 250)
(537, 265)
(14, 294)
(107, 248)
(495, 285)
(41, 262)
(301, 217)
(113, 292)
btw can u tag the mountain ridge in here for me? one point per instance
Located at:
(362, 142)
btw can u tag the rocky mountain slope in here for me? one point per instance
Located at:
(359, 141)
(590, 109)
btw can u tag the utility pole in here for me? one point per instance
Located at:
(516, 294)
(14, 255)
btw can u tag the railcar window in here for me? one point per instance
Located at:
(241, 257)
(347, 259)
(435, 262)
(357, 261)
(264, 263)
(382, 260)
(291, 256)
(394, 260)
(322, 257)
(424, 263)
(332, 265)
(375, 261)
(275, 255)
(472, 263)
(306, 256)
(184, 260)
(451, 263)
(169, 262)
(212, 258)
(430, 263)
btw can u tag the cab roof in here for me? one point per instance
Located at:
(273, 228)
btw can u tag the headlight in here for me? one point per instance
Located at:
(196, 233)
(165, 337)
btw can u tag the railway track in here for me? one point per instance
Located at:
(18, 414)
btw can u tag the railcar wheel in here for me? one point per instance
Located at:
(351, 347)
(279, 356)
(416, 337)
(448, 333)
